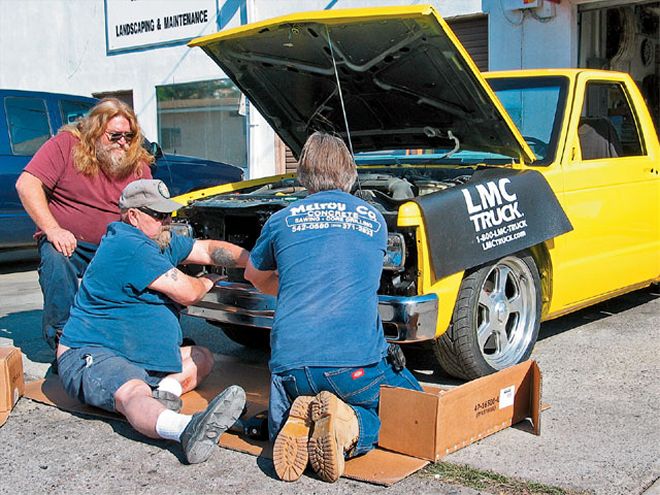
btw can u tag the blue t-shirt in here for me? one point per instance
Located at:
(328, 249)
(115, 309)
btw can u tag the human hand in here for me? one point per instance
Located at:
(63, 240)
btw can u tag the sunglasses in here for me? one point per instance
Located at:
(116, 136)
(158, 215)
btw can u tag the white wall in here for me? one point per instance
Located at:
(519, 38)
(60, 46)
(264, 9)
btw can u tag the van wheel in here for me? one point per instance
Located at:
(496, 318)
(254, 338)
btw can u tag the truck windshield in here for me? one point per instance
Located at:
(536, 106)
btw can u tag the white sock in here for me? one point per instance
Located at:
(170, 385)
(170, 425)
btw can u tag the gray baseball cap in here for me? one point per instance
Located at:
(149, 193)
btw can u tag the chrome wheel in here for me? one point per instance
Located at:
(496, 318)
(506, 313)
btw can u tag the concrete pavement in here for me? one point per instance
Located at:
(600, 369)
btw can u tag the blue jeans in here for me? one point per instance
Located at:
(92, 375)
(58, 278)
(358, 387)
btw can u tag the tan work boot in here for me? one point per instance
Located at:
(335, 432)
(290, 448)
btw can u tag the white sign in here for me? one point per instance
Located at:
(507, 395)
(491, 206)
(136, 24)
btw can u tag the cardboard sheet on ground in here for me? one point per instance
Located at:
(378, 466)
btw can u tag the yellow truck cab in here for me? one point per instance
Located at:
(510, 197)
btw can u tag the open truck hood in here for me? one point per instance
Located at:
(405, 80)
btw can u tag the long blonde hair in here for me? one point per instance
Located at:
(90, 129)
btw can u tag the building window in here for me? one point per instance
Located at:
(170, 138)
(125, 95)
(202, 119)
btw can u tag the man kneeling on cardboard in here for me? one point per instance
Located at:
(119, 350)
(329, 356)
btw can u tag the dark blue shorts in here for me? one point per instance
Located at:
(93, 375)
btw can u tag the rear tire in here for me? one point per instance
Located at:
(496, 318)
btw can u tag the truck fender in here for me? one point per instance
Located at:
(497, 213)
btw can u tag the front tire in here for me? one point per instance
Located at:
(496, 318)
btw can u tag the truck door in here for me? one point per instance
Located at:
(611, 192)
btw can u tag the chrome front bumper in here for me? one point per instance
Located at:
(405, 319)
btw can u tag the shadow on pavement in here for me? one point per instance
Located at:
(24, 330)
(422, 361)
(17, 266)
(265, 465)
(607, 308)
(121, 427)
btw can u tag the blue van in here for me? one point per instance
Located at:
(28, 119)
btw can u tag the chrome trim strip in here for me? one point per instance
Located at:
(405, 318)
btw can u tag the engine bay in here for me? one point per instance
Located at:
(238, 217)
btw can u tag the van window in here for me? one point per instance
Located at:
(73, 110)
(27, 120)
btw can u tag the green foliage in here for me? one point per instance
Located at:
(217, 88)
(492, 482)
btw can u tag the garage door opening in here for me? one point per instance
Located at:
(625, 38)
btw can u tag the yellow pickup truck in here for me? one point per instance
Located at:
(511, 198)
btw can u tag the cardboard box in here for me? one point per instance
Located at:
(437, 422)
(11, 380)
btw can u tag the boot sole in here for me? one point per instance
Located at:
(324, 455)
(290, 448)
(219, 416)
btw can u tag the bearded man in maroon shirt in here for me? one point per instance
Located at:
(71, 189)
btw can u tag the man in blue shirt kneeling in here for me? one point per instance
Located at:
(120, 349)
(323, 256)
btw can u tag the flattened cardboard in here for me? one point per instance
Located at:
(378, 466)
(11, 380)
(417, 427)
(437, 422)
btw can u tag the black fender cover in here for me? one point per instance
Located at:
(498, 212)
